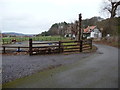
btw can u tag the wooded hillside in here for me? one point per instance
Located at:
(110, 26)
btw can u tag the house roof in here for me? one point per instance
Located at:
(89, 29)
(92, 27)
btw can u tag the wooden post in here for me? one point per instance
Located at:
(59, 46)
(4, 50)
(49, 50)
(90, 43)
(80, 19)
(81, 45)
(18, 49)
(30, 47)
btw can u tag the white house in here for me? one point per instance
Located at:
(92, 32)
(95, 33)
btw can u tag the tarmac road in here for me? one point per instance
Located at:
(97, 71)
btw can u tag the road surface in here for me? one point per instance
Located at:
(100, 70)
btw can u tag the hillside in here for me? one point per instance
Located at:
(110, 25)
(15, 34)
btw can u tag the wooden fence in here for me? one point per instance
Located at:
(17, 47)
(43, 47)
(59, 47)
(50, 47)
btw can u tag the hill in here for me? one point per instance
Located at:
(16, 34)
(13, 34)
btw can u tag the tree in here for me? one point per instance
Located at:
(45, 33)
(54, 29)
(112, 7)
(91, 22)
(58, 29)
(110, 26)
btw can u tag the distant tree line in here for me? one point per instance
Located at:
(91, 22)
(59, 28)
(107, 26)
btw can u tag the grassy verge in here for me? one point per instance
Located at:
(7, 40)
(114, 44)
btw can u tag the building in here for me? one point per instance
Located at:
(68, 31)
(92, 32)
(72, 30)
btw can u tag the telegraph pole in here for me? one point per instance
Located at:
(80, 33)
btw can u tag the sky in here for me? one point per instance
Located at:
(36, 16)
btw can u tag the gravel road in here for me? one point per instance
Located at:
(17, 66)
(99, 70)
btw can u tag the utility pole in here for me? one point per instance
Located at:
(80, 33)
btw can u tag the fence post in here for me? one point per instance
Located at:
(59, 46)
(4, 50)
(81, 41)
(18, 49)
(90, 43)
(30, 47)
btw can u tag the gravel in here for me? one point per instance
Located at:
(18, 66)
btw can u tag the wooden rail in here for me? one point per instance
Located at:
(62, 46)
(44, 49)
(54, 47)
(18, 48)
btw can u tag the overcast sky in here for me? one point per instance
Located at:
(36, 16)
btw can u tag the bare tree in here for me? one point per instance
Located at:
(112, 7)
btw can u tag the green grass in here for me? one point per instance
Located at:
(7, 40)
(77, 46)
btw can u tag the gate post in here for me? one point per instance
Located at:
(80, 30)
(30, 47)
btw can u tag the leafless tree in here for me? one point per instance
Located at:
(112, 6)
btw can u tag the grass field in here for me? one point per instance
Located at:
(7, 40)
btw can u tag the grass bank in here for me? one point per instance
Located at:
(109, 41)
